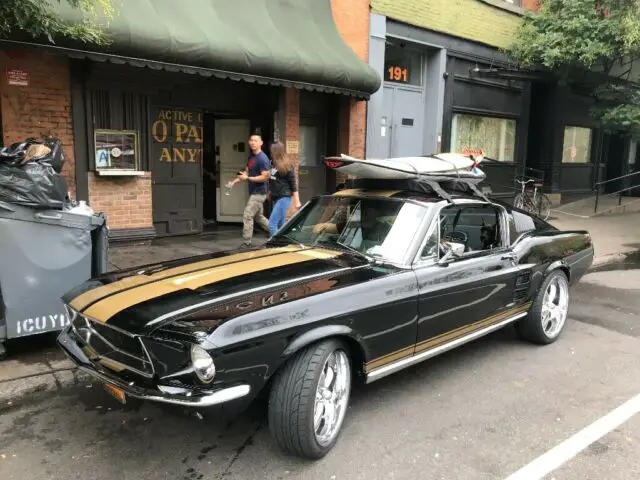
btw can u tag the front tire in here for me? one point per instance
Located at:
(548, 315)
(309, 399)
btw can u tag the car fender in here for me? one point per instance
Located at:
(320, 333)
(558, 265)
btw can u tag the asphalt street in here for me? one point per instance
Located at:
(483, 411)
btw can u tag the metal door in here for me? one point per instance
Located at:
(404, 117)
(232, 150)
(311, 173)
(176, 168)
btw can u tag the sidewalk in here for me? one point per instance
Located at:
(46, 370)
(613, 236)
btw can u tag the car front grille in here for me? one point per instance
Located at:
(112, 347)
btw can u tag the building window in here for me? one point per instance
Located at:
(116, 150)
(402, 65)
(576, 147)
(495, 136)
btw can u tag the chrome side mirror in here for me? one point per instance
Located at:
(452, 250)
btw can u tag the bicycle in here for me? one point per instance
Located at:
(539, 204)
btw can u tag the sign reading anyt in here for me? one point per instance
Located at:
(181, 132)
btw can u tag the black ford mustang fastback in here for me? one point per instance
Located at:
(357, 285)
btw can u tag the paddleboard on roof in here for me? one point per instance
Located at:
(449, 165)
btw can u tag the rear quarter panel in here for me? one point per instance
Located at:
(545, 251)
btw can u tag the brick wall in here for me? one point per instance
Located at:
(532, 5)
(471, 19)
(352, 20)
(43, 106)
(126, 201)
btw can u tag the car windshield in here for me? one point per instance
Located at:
(382, 228)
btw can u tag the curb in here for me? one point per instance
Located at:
(34, 386)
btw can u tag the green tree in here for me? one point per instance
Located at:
(39, 19)
(599, 40)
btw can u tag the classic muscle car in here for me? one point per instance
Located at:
(357, 285)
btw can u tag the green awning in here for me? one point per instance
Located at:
(280, 42)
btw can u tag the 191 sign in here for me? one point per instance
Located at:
(397, 74)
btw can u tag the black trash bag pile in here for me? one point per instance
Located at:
(30, 174)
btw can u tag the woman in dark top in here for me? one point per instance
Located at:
(283, 187)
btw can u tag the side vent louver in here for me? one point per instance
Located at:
(523, 280)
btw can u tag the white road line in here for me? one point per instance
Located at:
(568, 449)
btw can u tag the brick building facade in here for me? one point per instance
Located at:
(73, 99)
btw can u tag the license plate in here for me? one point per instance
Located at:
(116, 393)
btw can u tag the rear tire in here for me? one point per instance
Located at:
(309, 399)
(548, 315)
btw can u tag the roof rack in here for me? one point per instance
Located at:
(443, 187)
(425, 183)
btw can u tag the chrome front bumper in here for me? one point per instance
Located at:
(71, 346)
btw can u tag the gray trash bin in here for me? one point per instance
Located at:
(44, 254)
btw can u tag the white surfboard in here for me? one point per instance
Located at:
(450, 166)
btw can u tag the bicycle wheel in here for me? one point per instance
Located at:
(518, 201)
(543, 206)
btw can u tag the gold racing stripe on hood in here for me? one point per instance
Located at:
(84, 299)
(110, 306)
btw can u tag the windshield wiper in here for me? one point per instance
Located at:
(369, 258)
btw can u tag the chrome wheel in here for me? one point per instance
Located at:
(555, 305)
(332, 397)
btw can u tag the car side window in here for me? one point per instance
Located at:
(476, 227)
(520, 223)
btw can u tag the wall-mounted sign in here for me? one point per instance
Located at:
(17, 77)
(179, 134)
(293, 146)
(397, 74)
(116, 149)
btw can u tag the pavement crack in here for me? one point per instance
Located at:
(39, 374)
(241, 448)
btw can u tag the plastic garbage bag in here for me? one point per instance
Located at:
(49, 151)
(33, 184)
(30, 174)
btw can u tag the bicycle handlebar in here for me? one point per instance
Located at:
(525, 182)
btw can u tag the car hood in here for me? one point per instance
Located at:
(145, 298)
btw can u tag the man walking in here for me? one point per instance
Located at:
(256, 174)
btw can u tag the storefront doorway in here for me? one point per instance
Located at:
(402, 122)
(176, 164)
(232, 152)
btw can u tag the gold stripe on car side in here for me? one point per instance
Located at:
(98, 293)
(106, 308)
(443, 338)
(389, 358)
(461, 332)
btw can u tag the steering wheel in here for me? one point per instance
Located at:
(458, 237)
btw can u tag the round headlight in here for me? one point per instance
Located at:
(202, 364)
